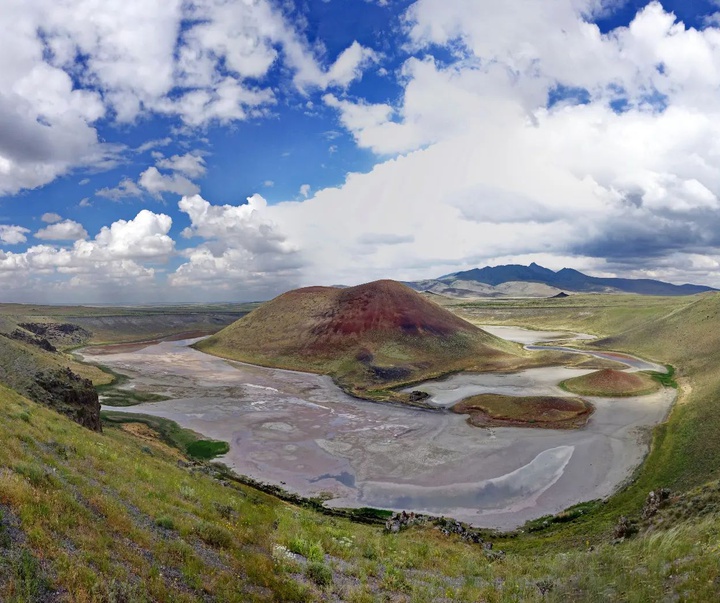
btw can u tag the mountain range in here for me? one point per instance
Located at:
(516, 280)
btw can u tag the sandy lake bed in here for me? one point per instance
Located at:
(302, 432)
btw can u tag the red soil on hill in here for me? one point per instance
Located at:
(377, 333)
(391, 307)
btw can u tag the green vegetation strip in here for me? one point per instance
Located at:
(113, 395)
(172, 434)
(665, 379)
(568, 515)
(120, 397)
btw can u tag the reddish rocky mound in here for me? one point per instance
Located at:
(611, 382)
(381, 332)
(387, 306)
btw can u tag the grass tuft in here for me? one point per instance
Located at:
(319, 573)
(312, 551)
(165, 522)
(214, 535)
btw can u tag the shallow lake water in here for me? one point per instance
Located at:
(300, 431)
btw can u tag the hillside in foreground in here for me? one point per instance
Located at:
(114, 516)
(369, 337)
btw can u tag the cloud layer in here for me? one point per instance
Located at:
(502, 145)
(70, 66)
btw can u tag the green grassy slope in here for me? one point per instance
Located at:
(19, 362)
(600, 315)
(107, 517)
(688, 339)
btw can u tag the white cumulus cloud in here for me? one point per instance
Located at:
(156, 183)
(118, 264)
(191, 165)
(50, 217)
(13, 235)
(242, 250)
(70, 64)
(126, 188)
(66, 230)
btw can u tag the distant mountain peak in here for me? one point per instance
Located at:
(566, 279)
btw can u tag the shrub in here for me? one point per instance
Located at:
(214, 535)
(225, 511)
(319, 573)
(313, 551)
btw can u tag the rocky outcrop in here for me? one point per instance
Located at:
(448, 527)
(64, 334)
(70, 395)
(418, 396)
(25, 337)
(655, 501)
(624, 528)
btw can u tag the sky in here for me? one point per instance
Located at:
(230, 150)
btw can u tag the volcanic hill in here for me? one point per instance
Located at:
(610, 382)
(368, 338)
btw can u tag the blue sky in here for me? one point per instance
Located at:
(374, 138)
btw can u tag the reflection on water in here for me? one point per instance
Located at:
(528, 336)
